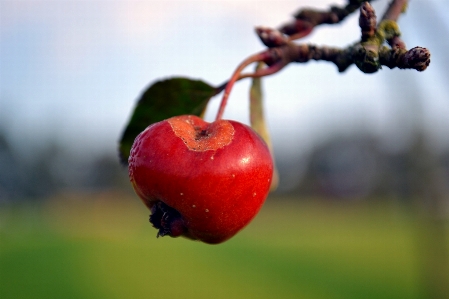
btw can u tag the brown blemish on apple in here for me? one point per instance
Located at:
(201, 136)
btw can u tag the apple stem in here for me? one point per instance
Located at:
(236, 76)
(265, 71)
(259, 73)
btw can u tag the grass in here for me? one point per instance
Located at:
(102, 246)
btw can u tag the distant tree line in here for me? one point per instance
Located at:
(343, 167)
(357, 166)
(53, 169)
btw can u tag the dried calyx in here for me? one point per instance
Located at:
(167, 220)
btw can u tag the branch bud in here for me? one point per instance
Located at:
(366, 58)
(417, 58)
(297, 28)
(271, 37)
(367, 21)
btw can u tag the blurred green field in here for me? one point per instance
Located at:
(102, 246)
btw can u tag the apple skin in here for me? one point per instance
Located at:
(204, 181)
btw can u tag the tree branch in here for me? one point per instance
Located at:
(417, 58)
(394, 10)
(307, 19)
(369, 54)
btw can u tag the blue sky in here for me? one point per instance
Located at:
(71, 71)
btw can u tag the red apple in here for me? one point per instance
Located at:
(204, 181)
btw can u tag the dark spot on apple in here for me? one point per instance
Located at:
(201, 134)
(167, 220)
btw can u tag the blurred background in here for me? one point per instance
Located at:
(363, 202)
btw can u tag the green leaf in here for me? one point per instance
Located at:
(162, 100)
